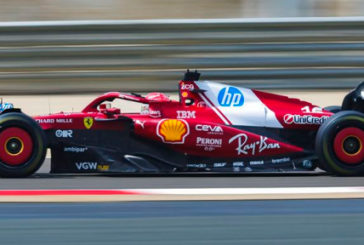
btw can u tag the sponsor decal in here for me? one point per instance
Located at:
(64, 120)
(256, 163)
(141, 123)
(196, 165)
(103, 167)
(253, 147)
(75, 149)
(45, 120)
(154, 113)
(219, 164)
(209, 148)
(238, 164)
(6, 106)
(230, 96)
(304, 119)
(209, 144)
(52, 120)
(307, 164)
(88, 122)
(281, 160)
(64, 133)
(201, 104)
(86, 165)
(315, 109)
(173, 131)
(210, 129)
(187, 87)
(186, 114)
(184, 94)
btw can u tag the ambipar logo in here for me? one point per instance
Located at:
(230, 96)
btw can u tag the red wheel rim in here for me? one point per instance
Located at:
(16, 146)
(348, 145)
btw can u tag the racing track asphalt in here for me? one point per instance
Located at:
(209, 222)
(43, 180)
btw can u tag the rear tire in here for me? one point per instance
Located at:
(22, 145)
(340, 144)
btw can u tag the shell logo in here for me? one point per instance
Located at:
(173, 131)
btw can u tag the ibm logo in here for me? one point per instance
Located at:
(230, 96)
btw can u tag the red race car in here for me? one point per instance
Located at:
(211, 128)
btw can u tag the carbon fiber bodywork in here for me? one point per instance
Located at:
(105, 151)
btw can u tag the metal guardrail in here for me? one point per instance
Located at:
(95, 56)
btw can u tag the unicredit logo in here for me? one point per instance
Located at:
(304, 119)
(288, 118)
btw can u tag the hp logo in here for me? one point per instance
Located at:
(230, 96)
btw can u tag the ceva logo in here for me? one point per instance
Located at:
(230, 96)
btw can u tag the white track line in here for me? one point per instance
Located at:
(191, 194)
(250, 191)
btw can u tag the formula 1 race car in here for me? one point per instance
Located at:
(211, 128)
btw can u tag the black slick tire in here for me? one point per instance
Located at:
(34, 134)
(325, 146)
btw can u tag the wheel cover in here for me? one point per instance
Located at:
(348, 145)
(16, 146)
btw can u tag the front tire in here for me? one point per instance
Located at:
(22, 145)
(340, 144)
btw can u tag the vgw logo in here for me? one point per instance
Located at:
(86, 165)
(230, 96)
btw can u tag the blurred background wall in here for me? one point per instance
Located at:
(26, 10)
(95, 56)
